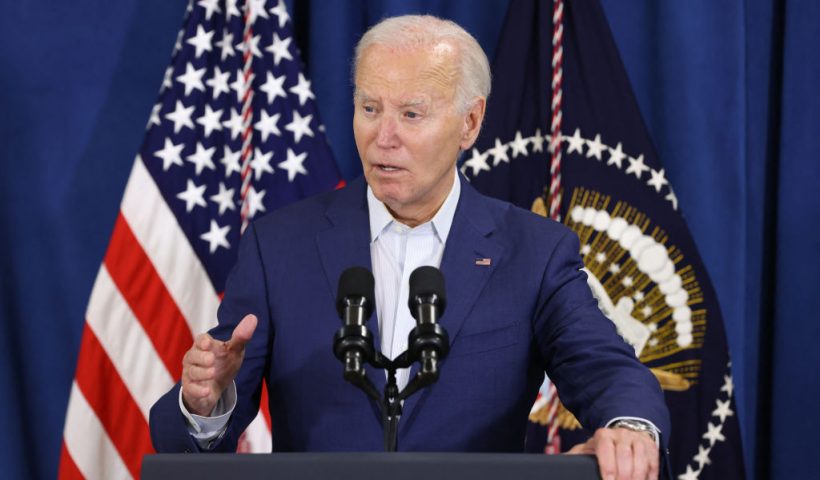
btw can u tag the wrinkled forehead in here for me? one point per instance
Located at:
(399, 67)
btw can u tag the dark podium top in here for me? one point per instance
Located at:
(359, 466)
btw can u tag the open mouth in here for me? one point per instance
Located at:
(388, 168)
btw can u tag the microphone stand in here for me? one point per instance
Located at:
(391, 403)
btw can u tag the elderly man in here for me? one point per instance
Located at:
(518, 303)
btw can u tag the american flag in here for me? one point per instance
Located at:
(234, 134)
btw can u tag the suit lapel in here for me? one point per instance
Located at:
(467, 243)
(469, 240)
(347, 244)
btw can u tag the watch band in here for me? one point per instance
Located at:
(637, 426)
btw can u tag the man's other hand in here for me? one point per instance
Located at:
(210, 366)
(622, 454)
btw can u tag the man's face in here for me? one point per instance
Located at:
(408, 128)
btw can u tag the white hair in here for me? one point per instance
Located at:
(426, 30)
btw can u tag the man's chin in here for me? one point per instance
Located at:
(386, 191)
(391, 200)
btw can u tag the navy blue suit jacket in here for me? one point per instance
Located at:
(528, 312)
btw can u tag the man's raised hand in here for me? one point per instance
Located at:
(210, 366)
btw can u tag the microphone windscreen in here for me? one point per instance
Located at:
(356, 282)
(425, 281)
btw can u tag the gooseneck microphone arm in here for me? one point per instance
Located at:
(428, 341)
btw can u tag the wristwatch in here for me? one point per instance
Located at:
(637, 426)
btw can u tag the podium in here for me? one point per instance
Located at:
(359, 466)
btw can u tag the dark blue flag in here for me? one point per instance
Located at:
(642, 263)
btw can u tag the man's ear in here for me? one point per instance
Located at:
(472, 123)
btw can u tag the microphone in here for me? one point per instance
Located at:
(354, 297)
(353, 343)
(428, 341)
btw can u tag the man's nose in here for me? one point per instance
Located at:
(387, 136)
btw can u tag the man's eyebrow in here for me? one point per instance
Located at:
(363, 96)
(413, 102)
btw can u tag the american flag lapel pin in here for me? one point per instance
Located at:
(483, 262)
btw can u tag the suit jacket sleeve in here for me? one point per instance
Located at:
(246, 292)
(596, 373)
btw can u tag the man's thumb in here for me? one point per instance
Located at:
(244, 331)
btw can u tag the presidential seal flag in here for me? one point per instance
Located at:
(564, 137)
(234, 134)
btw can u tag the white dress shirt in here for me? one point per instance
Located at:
(396, 250)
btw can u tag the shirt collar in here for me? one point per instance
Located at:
(380, 217)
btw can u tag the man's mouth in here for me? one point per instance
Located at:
(388, 168)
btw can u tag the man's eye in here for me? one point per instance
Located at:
(369, 108)
(411, 114)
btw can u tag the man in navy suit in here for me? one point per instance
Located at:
(518, 302)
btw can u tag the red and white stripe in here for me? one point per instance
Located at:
(553, 440)
(150, 297)
(247, 118)
(551, 395)
(555, 104)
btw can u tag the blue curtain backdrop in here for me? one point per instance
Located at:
(727, 89)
